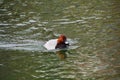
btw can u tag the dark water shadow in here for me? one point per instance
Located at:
(62, 54)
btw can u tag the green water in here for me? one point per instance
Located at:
(92, 28)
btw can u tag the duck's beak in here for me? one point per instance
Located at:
(67, 43)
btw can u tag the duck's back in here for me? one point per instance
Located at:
(51, 44)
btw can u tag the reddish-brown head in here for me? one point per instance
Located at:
(61, 39)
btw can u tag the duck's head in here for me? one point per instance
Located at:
(62, 42)
(62, 39)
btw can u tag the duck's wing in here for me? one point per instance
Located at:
(51, 44)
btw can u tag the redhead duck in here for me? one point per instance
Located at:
(59, 43)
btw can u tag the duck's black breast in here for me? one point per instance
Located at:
(61, 46)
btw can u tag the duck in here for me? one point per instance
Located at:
(60, 43)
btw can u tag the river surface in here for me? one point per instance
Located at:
(92, 28)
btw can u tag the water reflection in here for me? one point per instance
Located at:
(62, 54)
